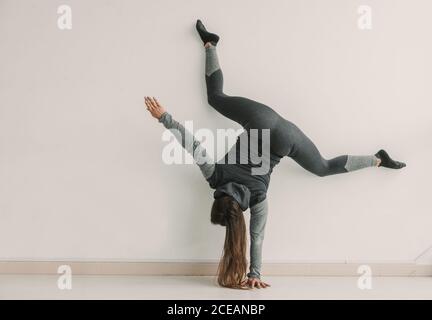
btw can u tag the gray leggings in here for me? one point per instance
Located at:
(286, 139)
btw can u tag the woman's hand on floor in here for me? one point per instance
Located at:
(255, 283)
(154, 107)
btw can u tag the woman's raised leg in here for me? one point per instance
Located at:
(307, 155)
(238, 109)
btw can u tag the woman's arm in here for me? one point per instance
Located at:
(258, 220)
(184, 137)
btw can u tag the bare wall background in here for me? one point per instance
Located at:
(81, 175)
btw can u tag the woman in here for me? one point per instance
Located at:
(237, 186)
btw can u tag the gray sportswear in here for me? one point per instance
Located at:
(237, 179)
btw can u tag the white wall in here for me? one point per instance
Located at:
(81, 175)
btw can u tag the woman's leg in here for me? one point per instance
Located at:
(239, 109)
(307, 155)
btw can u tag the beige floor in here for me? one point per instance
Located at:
(150, 287)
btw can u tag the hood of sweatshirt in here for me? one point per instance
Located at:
(239, 192)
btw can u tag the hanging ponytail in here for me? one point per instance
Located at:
(233, 264)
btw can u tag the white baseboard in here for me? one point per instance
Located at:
(209, 268)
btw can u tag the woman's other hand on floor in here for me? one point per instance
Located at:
(154, 107)
(255, 283)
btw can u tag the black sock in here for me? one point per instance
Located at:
(388, 162)
(205, 35)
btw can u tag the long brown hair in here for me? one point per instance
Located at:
(233, 264)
